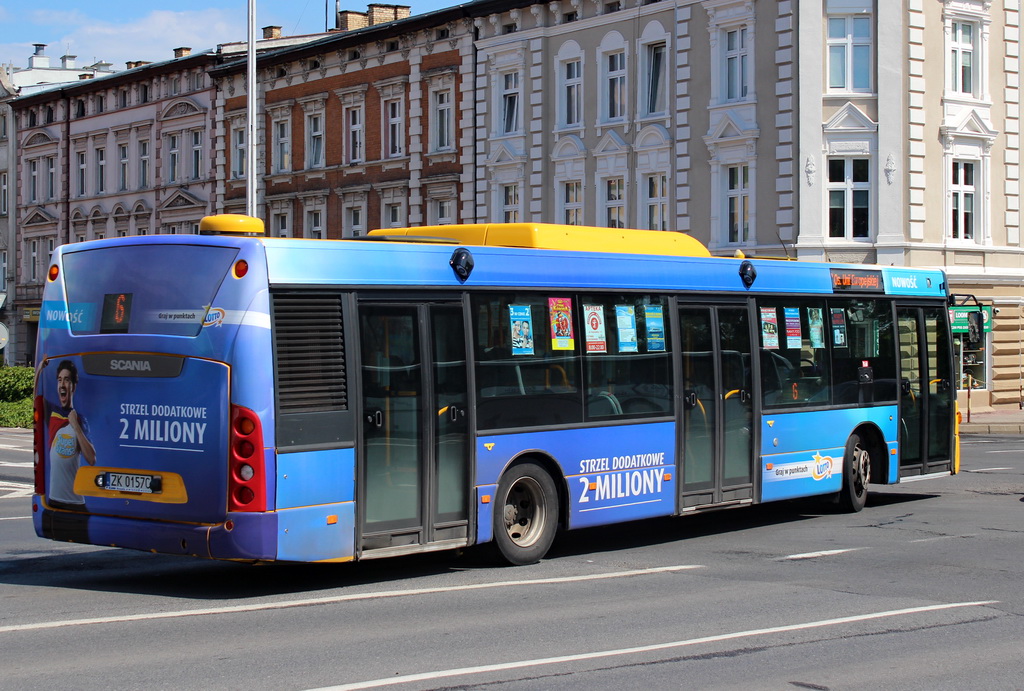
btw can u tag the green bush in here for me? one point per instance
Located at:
(16, 383)
(16, 414)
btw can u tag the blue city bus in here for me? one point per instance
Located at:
(231, 396)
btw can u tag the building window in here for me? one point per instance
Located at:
(393, 215)
(510, 103)
(443, 121)
(315, 141)
(238, 153)
(100, 103)
(314, 224)
(572, 93)
(395, 131)
(122, 167)
(736, 64)
(100, 170)
(173, 157)
(4, 186)
(849, 53)
(510, 203)
(143, 93)
(122, 98)
(281, 226)
(615, 202)
(3, 269)
(3, 126)
(963, 192)
(197, 155)
(737, 196)
(572, 203)
(356, 135)
(143, 164)
(51, 177)
(444, 212)
(616, 85)
(33, 181)
(849, 198)
(33, 258)
(656, 201)
(282, 146)
(354, 222)
(654, 81)
(81, 174)
(962, 58)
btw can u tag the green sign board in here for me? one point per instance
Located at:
(958, 317)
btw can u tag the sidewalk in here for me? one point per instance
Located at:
(992, 422)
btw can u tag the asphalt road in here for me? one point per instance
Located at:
(921, 590)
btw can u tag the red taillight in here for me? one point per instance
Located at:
(53, 273)
(247, 479)
(38, 446)
(241, 268)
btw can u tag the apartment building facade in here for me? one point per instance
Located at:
(367, 128)
(860, 131)
(122, 155)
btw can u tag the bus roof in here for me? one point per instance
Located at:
(558, 237)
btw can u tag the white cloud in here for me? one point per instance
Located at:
(152, 37)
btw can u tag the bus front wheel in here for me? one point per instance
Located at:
(525, 514)
(856, 474)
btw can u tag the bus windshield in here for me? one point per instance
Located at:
(143, 289)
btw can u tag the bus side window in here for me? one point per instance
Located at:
(795, 367)
(627, 368)
(524, 377)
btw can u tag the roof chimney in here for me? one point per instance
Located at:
(381, 14)
(38, 60)
(271, 32)
(68, 61)
(182, 52)
(350, 20)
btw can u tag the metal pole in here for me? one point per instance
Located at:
(250, 114)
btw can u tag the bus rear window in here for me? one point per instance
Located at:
(144, 289)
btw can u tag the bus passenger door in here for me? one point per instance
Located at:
(413, 467)
(927, 394)
(717, 406)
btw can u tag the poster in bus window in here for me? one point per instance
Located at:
(522, 329)
(625, 325)
(816, 325)
(794, 336)
(593, 329)
(654, 320)
(838, 327)
(560, 312)
(769, 328)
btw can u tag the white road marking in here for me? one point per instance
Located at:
(15, 490)
(10, 464)
(562, 659)
(1004, 451)
(815, 555)
(987, 470)
(15, 518)
(306, 602)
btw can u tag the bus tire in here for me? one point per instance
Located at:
(525, 514)
(856, 474)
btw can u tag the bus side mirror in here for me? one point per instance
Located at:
(975, 328)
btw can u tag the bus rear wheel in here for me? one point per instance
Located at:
(856, 474)
(525, 514)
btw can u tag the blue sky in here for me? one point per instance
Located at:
(117, 31)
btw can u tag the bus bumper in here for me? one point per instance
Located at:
(242, 537)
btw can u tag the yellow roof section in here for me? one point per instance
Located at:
(558, 237)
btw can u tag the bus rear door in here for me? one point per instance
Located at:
(413, 468)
